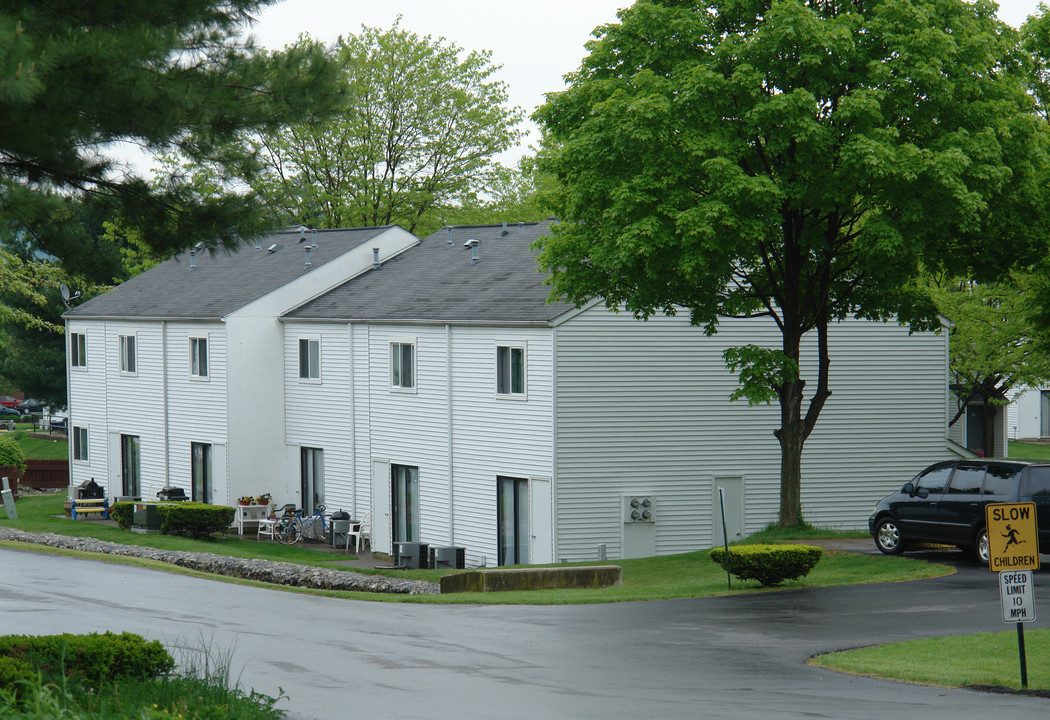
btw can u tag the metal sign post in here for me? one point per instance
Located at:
(1013, 550)
(725, 534)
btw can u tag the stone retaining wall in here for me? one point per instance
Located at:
(541, 578)
(279, 573)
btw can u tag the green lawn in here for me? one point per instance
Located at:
(668, 576)
(41, 447)
(1031, 451)
(979, 659)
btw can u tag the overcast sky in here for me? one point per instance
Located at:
(536, 42)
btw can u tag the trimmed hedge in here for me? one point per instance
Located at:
(123, 513)
(196, 520)
(89, 659)
(14, 671)
(769, 564)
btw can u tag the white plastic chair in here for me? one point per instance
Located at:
(361, 533)
(266, 527)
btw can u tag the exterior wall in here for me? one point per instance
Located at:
(197, 406)
(1005, 425)
(1026, 414)
(451, 425)
(318, 414)
(87, 403)
(642, 409)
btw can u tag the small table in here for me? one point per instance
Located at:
(250, 514)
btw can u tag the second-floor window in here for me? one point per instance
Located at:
(510, 370)
(402, 365)
(127, 354)
(309, 359)
(199, 357)
(77, 350)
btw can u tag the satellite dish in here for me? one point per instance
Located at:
(65, 291)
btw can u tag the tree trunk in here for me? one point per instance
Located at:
(791, 436)
(991, 411)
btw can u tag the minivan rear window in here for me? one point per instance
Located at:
(967, 479)
(1036, 482)
(999, 480)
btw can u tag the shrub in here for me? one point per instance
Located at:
(769, 564)
(123, 513)
(14, 671)
(90, 659)
(195, 520)
(11, 453)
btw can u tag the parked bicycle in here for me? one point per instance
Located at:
(293, 526)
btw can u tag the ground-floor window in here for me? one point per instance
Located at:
(200, 472)
(311, 462)
(512, 520)
(404, 498)
(130, 466)
(80, 443)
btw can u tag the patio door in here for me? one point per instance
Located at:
(512, 520)
(200, 472)
(404, 501)
(130, 466)
(311, 462)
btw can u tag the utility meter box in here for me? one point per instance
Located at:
(639, 509)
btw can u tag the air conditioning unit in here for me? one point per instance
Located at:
(639, 509)
(448, 558)
(411, 555)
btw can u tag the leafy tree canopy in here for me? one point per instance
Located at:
(992, 348)
(417, 137)
(798, 160)
(80, 77)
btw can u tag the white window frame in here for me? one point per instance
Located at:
(313, 373)
(194, 358)
(129, 352)
(509, 394)
(77, 350)
(78, 444)
(397, 362)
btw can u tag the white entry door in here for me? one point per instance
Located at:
(382, 527)
(541, 550)
(733, 501)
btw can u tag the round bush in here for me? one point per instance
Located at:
(769, 564)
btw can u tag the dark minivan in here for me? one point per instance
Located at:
(945, 504)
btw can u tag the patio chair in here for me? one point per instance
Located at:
(362, 532)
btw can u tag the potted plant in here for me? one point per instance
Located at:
(263, 499)
(246, 500)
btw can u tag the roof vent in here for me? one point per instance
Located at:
(375, 259)
(521, 227)
(504, 228)
(274, 248)
(448, 238)
(306, 263)
(302, 233)
(193, 255)
(313, 240)
(473, 245)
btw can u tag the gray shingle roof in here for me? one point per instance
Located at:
(436, 282)
(224, 281)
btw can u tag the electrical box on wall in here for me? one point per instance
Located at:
(639, 509)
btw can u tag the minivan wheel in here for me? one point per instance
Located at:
(888, 537)
(980, 546)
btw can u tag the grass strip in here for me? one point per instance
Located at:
(958, 661)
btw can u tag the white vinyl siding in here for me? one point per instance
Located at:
(643, 408)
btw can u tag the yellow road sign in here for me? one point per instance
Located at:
(1013, 537)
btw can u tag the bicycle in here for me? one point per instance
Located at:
(293, 526)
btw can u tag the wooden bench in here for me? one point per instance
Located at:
(84, 507)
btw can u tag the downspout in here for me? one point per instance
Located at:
(353, 423)
(554, 444)
(448, 435)
(164, 394)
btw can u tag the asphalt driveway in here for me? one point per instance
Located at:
(722, 657)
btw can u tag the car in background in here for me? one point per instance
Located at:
(9, 412)
(29, 406)
(944, 504)
(8, 402)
